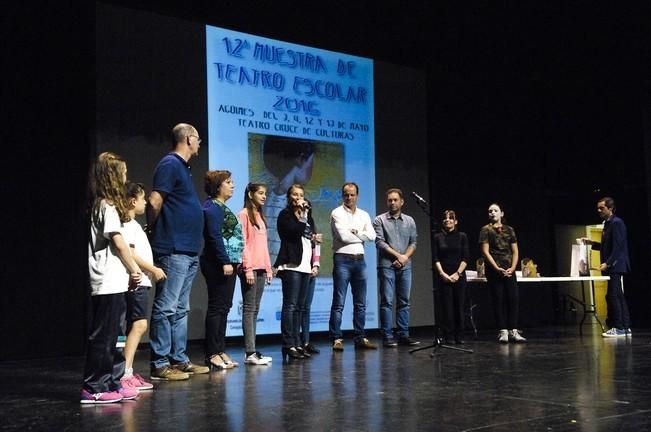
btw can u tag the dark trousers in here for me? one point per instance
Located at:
(504, 292)
(220, 299)
(453, 298)
(295, 285)
(104, 362)
(618, 316)
(304, 308)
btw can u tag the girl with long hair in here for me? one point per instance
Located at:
(112, 271)
(255, 271)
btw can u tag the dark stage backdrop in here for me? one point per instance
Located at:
(544, 123)
(47, 113)
(565, 111)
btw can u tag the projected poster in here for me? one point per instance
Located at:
(280, 113)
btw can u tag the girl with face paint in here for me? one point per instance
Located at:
(499, 246)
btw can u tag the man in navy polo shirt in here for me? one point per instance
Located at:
(175, 223)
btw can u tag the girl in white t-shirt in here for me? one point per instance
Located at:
(138, 298)
(112, 270)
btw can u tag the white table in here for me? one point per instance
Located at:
(589, 306)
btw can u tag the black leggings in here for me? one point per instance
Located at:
(220, 299)
(504, 292)
(453, 297)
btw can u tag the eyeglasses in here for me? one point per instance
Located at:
(198, 139)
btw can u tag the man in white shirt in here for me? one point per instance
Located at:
(351, 227)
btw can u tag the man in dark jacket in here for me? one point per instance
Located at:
(614, 263)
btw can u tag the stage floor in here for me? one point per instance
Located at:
(559, 381)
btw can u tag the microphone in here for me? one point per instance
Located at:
(306, 206)
(419, 198)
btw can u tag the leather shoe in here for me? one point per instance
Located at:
(390, 342)
(364, 343)
(309, 348)
(406, 340)
(191, 368)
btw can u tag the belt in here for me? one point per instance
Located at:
(354, 257)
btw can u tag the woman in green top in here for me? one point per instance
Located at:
(221, 256)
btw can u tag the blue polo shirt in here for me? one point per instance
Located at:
(179, 226)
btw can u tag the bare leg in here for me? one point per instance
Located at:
(138, 328)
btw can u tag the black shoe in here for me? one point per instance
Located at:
(302, 351)
(309, 348)
(292, 353)
(390, 342)
(406, 340)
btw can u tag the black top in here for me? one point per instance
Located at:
(290, 231)
(450, 248)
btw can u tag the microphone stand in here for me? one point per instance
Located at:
(438, 341)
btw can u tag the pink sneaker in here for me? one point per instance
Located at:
(128, 393)
(100, 398)
(130, 382)
(142, 384)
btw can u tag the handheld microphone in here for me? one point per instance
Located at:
(306, 206)
(419, 198)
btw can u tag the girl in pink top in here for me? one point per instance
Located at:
(255, 271)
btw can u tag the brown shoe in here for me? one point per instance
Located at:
(365, 344)
(338, 345)
(191, 368)
(166, 373)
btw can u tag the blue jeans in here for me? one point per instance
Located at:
(305, 308)
(169, 316)
(294, 289)
(394, 282)
(348, 270)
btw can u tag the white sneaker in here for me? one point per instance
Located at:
(503, 336)
(264, 357)
(614, 332)
(515, 336)
(255, 360)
